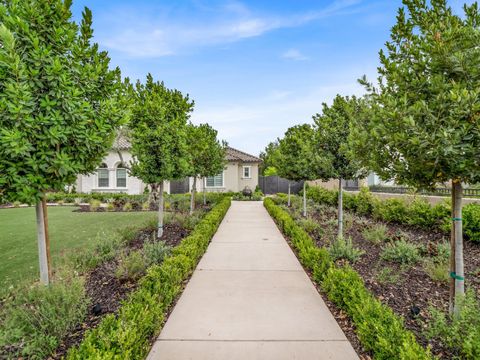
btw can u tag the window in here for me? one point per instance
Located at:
(121, 176)
(102, 174)
(214, 181)
(246, 172)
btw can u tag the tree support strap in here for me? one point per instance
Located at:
(457, 219)
(454, 275)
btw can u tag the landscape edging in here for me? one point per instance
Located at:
(128, 334)
(378, 328)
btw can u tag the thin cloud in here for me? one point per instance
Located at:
(294, 54)
(157, 35)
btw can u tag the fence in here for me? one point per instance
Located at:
(276, 184)
(438, 191)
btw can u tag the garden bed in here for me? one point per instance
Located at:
(106, 291)
(408, 288)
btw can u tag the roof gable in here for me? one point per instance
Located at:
(237, 155)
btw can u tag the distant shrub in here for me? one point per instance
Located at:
(94, 205)
(155, 252)
(437, 270)
(402, 252)
(131, 266)
(471, 221)
(343, 248)
(377, 234)
(127, 207)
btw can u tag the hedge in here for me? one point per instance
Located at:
(127, 334)
(416, 212)
(378, 328)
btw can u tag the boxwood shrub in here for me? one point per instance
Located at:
(127, 334)
(379, 329)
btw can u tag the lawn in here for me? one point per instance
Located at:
(68, 230)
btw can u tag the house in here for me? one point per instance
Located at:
(240, 171)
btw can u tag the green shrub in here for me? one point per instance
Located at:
(402, 252)
(146, 206)
(35, 319)
(309, 225)
(16, 204)
(378, 328)
(127, 207)
(342, 248)
(391, 210)
(94, 205)
(460, 333)
(155, 252)
(256, 196)
(471, 221)
(110, 206)
(131, 266)
(128, 334)
(437, 270)
(377, 234)
(443, 251)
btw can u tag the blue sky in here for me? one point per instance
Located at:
(254, 68)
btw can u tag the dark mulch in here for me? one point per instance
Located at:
(106, 291)
(413, 293)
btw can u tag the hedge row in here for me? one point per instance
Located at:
(127, 335)
(378, 328)
(417, 212)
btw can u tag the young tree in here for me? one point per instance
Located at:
(207, 156)
(332, 129)
(295, 157)
(59, 104)
(268, 157)
(424, 125)
(158, 133)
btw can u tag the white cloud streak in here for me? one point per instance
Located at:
(157, 35)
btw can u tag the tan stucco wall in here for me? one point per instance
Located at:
(89, 183)
(332, 184)
(232, 178)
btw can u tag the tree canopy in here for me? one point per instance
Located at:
(158, 130)
(332, 128)
(59, 102)
(295, 151)
(207, 153)
(423, 127)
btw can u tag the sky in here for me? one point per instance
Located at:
(253, 68)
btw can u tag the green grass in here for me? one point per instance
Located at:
(68, 230)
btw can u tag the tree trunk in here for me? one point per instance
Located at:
(160, 211)
(459, 267)
(204, 193)
(289, 194)
(42, 245)
(192, 196)
(451, 302)
(47, 237)
(340, 208)
(304, 199)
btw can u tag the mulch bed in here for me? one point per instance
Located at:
(106, 291)
(410, 296)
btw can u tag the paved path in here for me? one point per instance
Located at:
(249, 299)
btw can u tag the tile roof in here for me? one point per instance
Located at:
(237, 155)
(122, 143)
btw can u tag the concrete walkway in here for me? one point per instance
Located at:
(249, 298)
